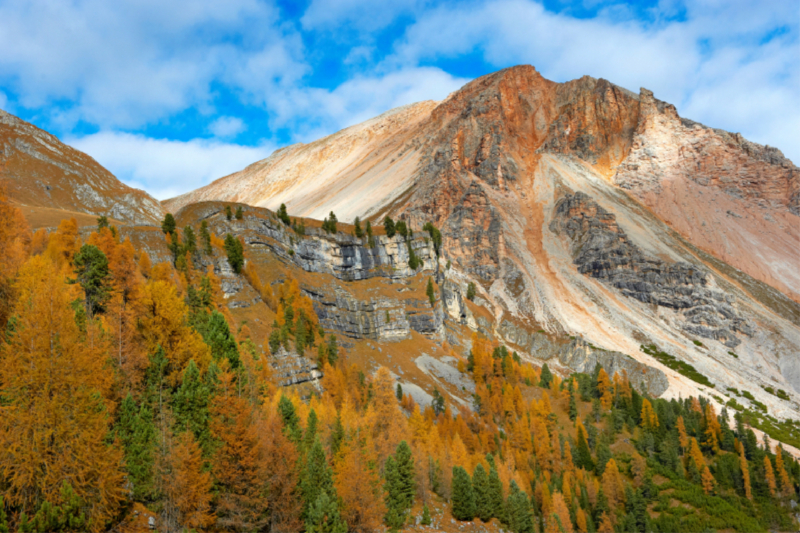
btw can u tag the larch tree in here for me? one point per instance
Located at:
(787, 488)
(358, 485)
(188, 486)
(745, 473)
(769, 475)
(14, 234)
(55, 410)
(559, 520)
(604, 389)
(707, 480)
(683, 439)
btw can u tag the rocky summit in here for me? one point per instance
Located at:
(592, 223)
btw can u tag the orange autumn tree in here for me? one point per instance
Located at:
(359, 486)
(55, 412)
(188, 487)
(604, 386)
(14, 234)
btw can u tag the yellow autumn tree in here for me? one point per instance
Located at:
(358, 484)
(745, 473)
(713, 430)
(769, 474)
(604, 387)
(683, 439)
(559, 520)
(648, 416)
(55, 412)
(13, 236)
(188, 487)
(613, 486)
(787, 488)
(707, 480)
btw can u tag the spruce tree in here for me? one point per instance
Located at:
(291, 422)
(92, 274)
(370, 240)
(168, 225)
(138, 437)
(399, 485)
(463, 498)
(573, 405)
(310, 434)
(546, 377)
(480, 485)
(239, 213)
(425, 520)
(283, 215)
(217, 335)
(603, 456)
(357, 228)
(68, 516)
(190, 404)
(235, 251)
(388, 225)
(228, 212)
(519, 510)
(189, 240)
(316, 478)
(332, 350)
(324, 517)
(205, 237)
(431, 292)
(399, 392)
(496, 500)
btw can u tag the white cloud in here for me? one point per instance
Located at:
(227, 127)
(166, 168)
(128, 62)
(364, 16)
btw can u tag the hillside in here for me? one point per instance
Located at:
(51, 181)
(581, 210)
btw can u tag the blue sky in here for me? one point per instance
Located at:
(170, 95)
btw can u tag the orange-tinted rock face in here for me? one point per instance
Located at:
(47, 176)
(733, 198)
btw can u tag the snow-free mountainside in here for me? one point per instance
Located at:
(533, 306)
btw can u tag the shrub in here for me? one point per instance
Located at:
(682, 367)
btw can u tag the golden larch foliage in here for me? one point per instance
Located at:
(606, 525)
(55, 411)
(769, 474)
(696, 455)
(745, 473)
(14, 234)
(708, 480)
(683, 439)
(613, 486)
(604, 386)
(580, 518)
(648, 415)
(787, 488)
(560, 511)
(188, 486)
(358, 484)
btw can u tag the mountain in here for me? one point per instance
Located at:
(578, 210)
(50, 181)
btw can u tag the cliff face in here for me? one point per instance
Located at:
(51, 180)
(577, 209)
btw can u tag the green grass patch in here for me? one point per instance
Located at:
(733, 354)
(697, 342)
(679, 366)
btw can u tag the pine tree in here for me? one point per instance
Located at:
(191, 406)
(310, 434)
(67, 516)
(519, 510)
(316, 479)
(400, 485)
(357, 228)
(217, 335)
(583, 455)
(137, 434)
(546, 377)
(787, 487)
(235, 251)
(283, 215)
(332, 349)
(168, 225)
(205, 237)
(480, 485)
(573, 405)
(291, 422)
(463, 498)
(471, 291)
(399, 392)
(497, 502)
(92, 274)
(430, 292)
(425, 520)
(189, 240)
(388, 225)
(324, 516)
(239, 213)
(604, 389)
(228, 213)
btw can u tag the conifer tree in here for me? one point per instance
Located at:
(480, 484)
(431, 292)
(205, 237)
(188, 486)
(769, 475)
(583, 455)
(316, 479)
(370, 239)
(497, 502)
(399, 485)
(324, 517)
(573, 405)
(425, 520)
(707, 480)
(399, 392)
(235, 251)
(291, 422)
(745, 473)
(239, 213)
(388, 225)
(357, 228)
(310, 434)
(546, 377)
(463, 498)
(191, 406)
(283, 215)
(168, 225)
(519, 510)
(337, 434)
(67, 516)
(228, 213)
(787, 487)
(189, 240)
(92, 274)
(217, 335)
(137, 434)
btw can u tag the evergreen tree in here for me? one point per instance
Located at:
(368, 229)
(573, 405)
(235, 251)
(463, 498)
(546, 377)
(138, 436)
(438, 403)
(68, 516)
(332, 350)
(102, 222)
(425, 520)
(480, 485)
(388, 225)
(337, 435)
(496, 501)
(217, 335)
(189, 240)
(324, 516)
(228, 212)
(205, 237)
(310, 434)
(357, 228)
(316, 479)
(399, 392)
(603, 456)
(92, 274)
(239, 213)
(431, 292)
(399, 485)
(190, 404)
(436, 236)
(283, 215)
(401, 229)
(291, 422)
(471, 291)
(168, 225)
(519, 510)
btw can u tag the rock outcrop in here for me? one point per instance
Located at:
(601, 249)
(43, 172)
